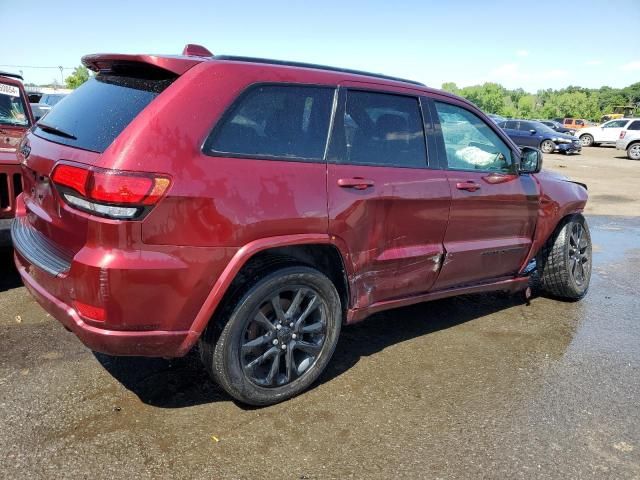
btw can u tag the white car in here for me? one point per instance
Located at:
(629, 140)
(608, 132)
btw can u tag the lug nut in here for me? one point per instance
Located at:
(294, 336)
(284, 347)
(275, 341)
(291, 325)
(278, 327)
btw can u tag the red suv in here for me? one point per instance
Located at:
(15, 119)
(255, 206)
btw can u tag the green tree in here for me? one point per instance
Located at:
(78, 77)
(450, 87)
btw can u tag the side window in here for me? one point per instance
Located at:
(511, 125)
(383, 129)
(579, 122)
(634, 125)
(470, 143)
(276, 121)
(615, 124)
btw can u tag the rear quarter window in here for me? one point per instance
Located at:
(275, 121)
(98, 111)
(634, 125)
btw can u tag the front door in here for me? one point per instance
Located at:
(610, 131)
(493, 209)
(387, 207)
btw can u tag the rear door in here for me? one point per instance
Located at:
(528, 134)
(388, 203)
(493, 210)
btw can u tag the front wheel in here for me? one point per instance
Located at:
(278, 339)
(564, 262)
(547, 146)
(587, 140)
(633, 151)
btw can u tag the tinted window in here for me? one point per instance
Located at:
(579, 122)
(526, 126)
(99, 110)
(383, 129)
(634, 125)
(510, 124)
(276, 121)
(469, 142)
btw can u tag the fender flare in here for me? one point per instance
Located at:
(239, 259)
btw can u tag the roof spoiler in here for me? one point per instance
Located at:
(195, 50)
(100, 62)
(11, 75)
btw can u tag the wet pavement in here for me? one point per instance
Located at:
(479, 386)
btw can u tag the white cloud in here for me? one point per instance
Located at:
(631, 66)
(522, 53)
(593, 62)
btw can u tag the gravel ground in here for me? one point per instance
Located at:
(480, 386)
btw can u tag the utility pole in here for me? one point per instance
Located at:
(61, 76)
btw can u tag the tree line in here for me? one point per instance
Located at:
(575, 102)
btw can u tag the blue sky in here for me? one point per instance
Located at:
(535, 44)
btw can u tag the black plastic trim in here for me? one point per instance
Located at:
(38, 249)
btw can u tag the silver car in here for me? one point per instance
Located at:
(629, 140)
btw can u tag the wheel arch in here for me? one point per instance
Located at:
(261, 256)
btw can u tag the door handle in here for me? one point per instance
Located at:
(469, 186)
(358, 183)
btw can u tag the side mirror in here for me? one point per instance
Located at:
(530, 160)
(532, 131)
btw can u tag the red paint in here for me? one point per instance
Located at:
(405, 235)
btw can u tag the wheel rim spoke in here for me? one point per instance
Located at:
(290, 361)
(259, 360)
(263, 321)
(313, 328)
(295, 304)
(310, 348)
(256, 342)
(313, 304)
(275, 366)
(276, 303)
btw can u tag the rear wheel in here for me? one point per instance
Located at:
(547, 146)
(633, 151)
(587, 140)
(564, 262)
(278, 339)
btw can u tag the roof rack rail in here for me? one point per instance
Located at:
(9, 74)
(314, 66)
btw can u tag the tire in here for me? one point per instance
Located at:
(633, 151)
(547, 146)
(247, 358)
(564, 270)
(587, 140)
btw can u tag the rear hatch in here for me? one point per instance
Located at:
(77, 132)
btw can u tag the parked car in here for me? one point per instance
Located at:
(259, 215)
(15, 119)
(535, 134)
(575, 123)
(607, 133)
(558, 127)
(496, 118)
(629, 140)
(46, 103)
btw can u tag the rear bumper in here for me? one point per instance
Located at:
(154, 343)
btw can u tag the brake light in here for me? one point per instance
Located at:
(90, 311)
(622, 134)
(109, 193)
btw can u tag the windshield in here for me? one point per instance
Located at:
(12, 111)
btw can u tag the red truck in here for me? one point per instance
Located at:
(255, 206)
(15, 119)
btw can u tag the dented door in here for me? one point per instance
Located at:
(386, 205)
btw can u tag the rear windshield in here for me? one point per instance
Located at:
(98, 111)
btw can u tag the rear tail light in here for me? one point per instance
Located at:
(90, 312)
(109, 193)
(622, 134)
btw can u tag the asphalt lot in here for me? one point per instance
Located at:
(480, 386)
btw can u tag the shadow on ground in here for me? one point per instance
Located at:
(9, 277)
(183, 382)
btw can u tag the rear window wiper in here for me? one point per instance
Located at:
(55, 131)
